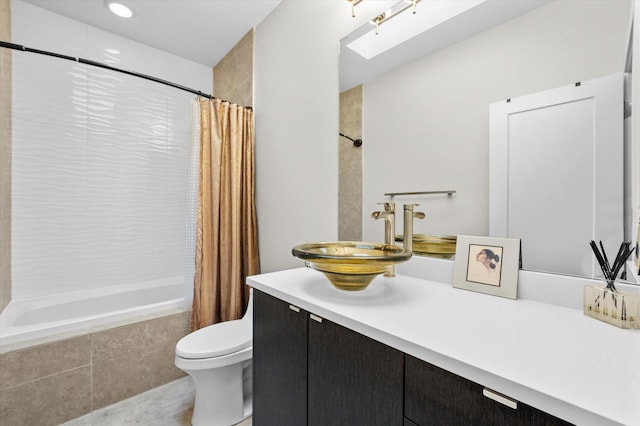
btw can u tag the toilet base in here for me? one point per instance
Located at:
(223, 395)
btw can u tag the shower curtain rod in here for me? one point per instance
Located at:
(108, 67)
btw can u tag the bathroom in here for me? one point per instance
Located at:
(298, 168)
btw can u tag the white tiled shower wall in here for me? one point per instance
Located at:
(100, 159)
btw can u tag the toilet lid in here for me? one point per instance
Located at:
(216, 340)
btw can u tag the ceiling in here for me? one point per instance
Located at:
(199, 30)
(204, 31)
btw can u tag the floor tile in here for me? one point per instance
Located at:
(166, 405)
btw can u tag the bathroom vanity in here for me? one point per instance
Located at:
(410, 351)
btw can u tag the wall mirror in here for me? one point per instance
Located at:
(425, 101)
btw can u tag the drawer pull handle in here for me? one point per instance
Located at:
(500, 398)
(294, 308)
(315, 317)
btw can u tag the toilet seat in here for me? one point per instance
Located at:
(216, 340)
(192, 365)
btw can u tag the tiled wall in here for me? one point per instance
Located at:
(5, 156)
(233, 75)
(101, 169)
(350, 167)
(54, 382)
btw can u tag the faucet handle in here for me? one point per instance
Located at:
(388, 206)
(409, 208)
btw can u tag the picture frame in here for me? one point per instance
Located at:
(487, 265)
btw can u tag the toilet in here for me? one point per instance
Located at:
(218, 358)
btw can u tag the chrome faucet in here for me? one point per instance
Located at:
(407, 235)
(389, 217)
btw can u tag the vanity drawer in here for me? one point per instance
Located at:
(434, 396)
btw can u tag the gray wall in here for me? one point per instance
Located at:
(439, 138)
(296, 103)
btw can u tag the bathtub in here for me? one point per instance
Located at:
(87, 311)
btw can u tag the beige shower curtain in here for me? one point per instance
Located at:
(226, 234)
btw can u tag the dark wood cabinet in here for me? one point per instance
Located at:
(353, 380)
(434, 396)
(310, 371)
(279, 362)
(318, 373)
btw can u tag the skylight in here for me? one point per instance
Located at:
(406, 25)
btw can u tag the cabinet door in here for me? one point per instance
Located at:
(353, 380)
(279, 362)
(434, 396)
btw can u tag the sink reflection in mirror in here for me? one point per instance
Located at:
(439, 246)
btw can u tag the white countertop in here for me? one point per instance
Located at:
(551, 357)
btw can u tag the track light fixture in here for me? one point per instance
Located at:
(353, 4)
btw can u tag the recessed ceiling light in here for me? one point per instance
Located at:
(119, 9)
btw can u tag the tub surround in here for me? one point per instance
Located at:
(545, 355)
(30, 322)
(50, 383)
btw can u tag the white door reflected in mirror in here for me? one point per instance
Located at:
(555, 175)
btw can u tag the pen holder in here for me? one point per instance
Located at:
(612, 306)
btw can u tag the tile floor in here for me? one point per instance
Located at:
(166, 405)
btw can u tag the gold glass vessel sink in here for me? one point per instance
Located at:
(350, 265)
